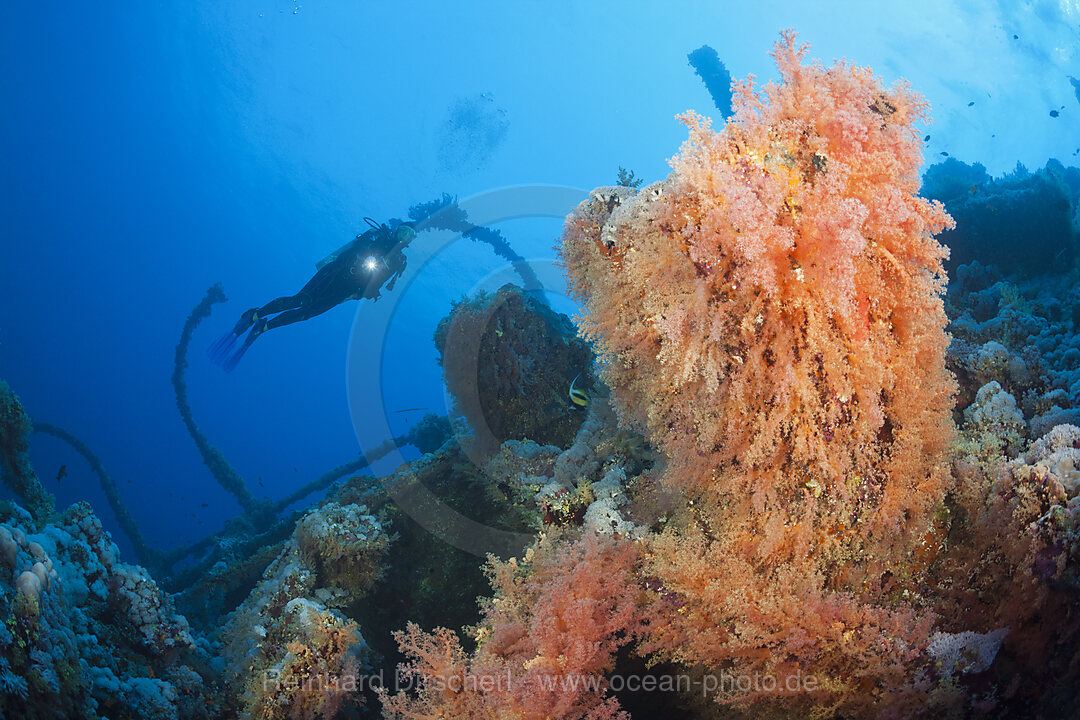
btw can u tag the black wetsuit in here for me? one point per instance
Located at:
(359, 271)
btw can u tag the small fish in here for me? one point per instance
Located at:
(579, 398)
(926, 139)
(206, 505)
(410, 409)
(261, 483)
(971, 103)
(61, 473)
(1054, 113)
(944, 154)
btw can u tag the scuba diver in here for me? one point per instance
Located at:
(356, 270)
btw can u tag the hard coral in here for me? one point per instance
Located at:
(319, 669)
(344, 544)
(84, 635)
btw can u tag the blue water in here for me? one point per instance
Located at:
(149, 150)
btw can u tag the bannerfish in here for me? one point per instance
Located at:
(579, 398)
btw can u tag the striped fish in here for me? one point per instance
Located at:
(579, 398)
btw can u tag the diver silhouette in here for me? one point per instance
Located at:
(356, 270)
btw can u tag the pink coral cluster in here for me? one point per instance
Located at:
(547, 638)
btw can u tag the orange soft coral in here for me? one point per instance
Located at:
(771, 316)
(772, 312)
(548, 636)
(774, 306)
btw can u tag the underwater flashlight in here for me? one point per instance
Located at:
(371, 263)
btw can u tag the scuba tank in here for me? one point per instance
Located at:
(337, 253)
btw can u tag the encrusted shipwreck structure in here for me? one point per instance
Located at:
(509, 360)
(290, 652)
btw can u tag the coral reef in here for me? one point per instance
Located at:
(581, 485)
(1010, 563)
(344, 546)
(85, 635)
(509, 360)
(432, 582)
(556, 621)
(1022, 332)
(232, 560)
(787, 472)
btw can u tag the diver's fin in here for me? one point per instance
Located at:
(219, 351)
(233, 360)
(249, 318)
(230, 363)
